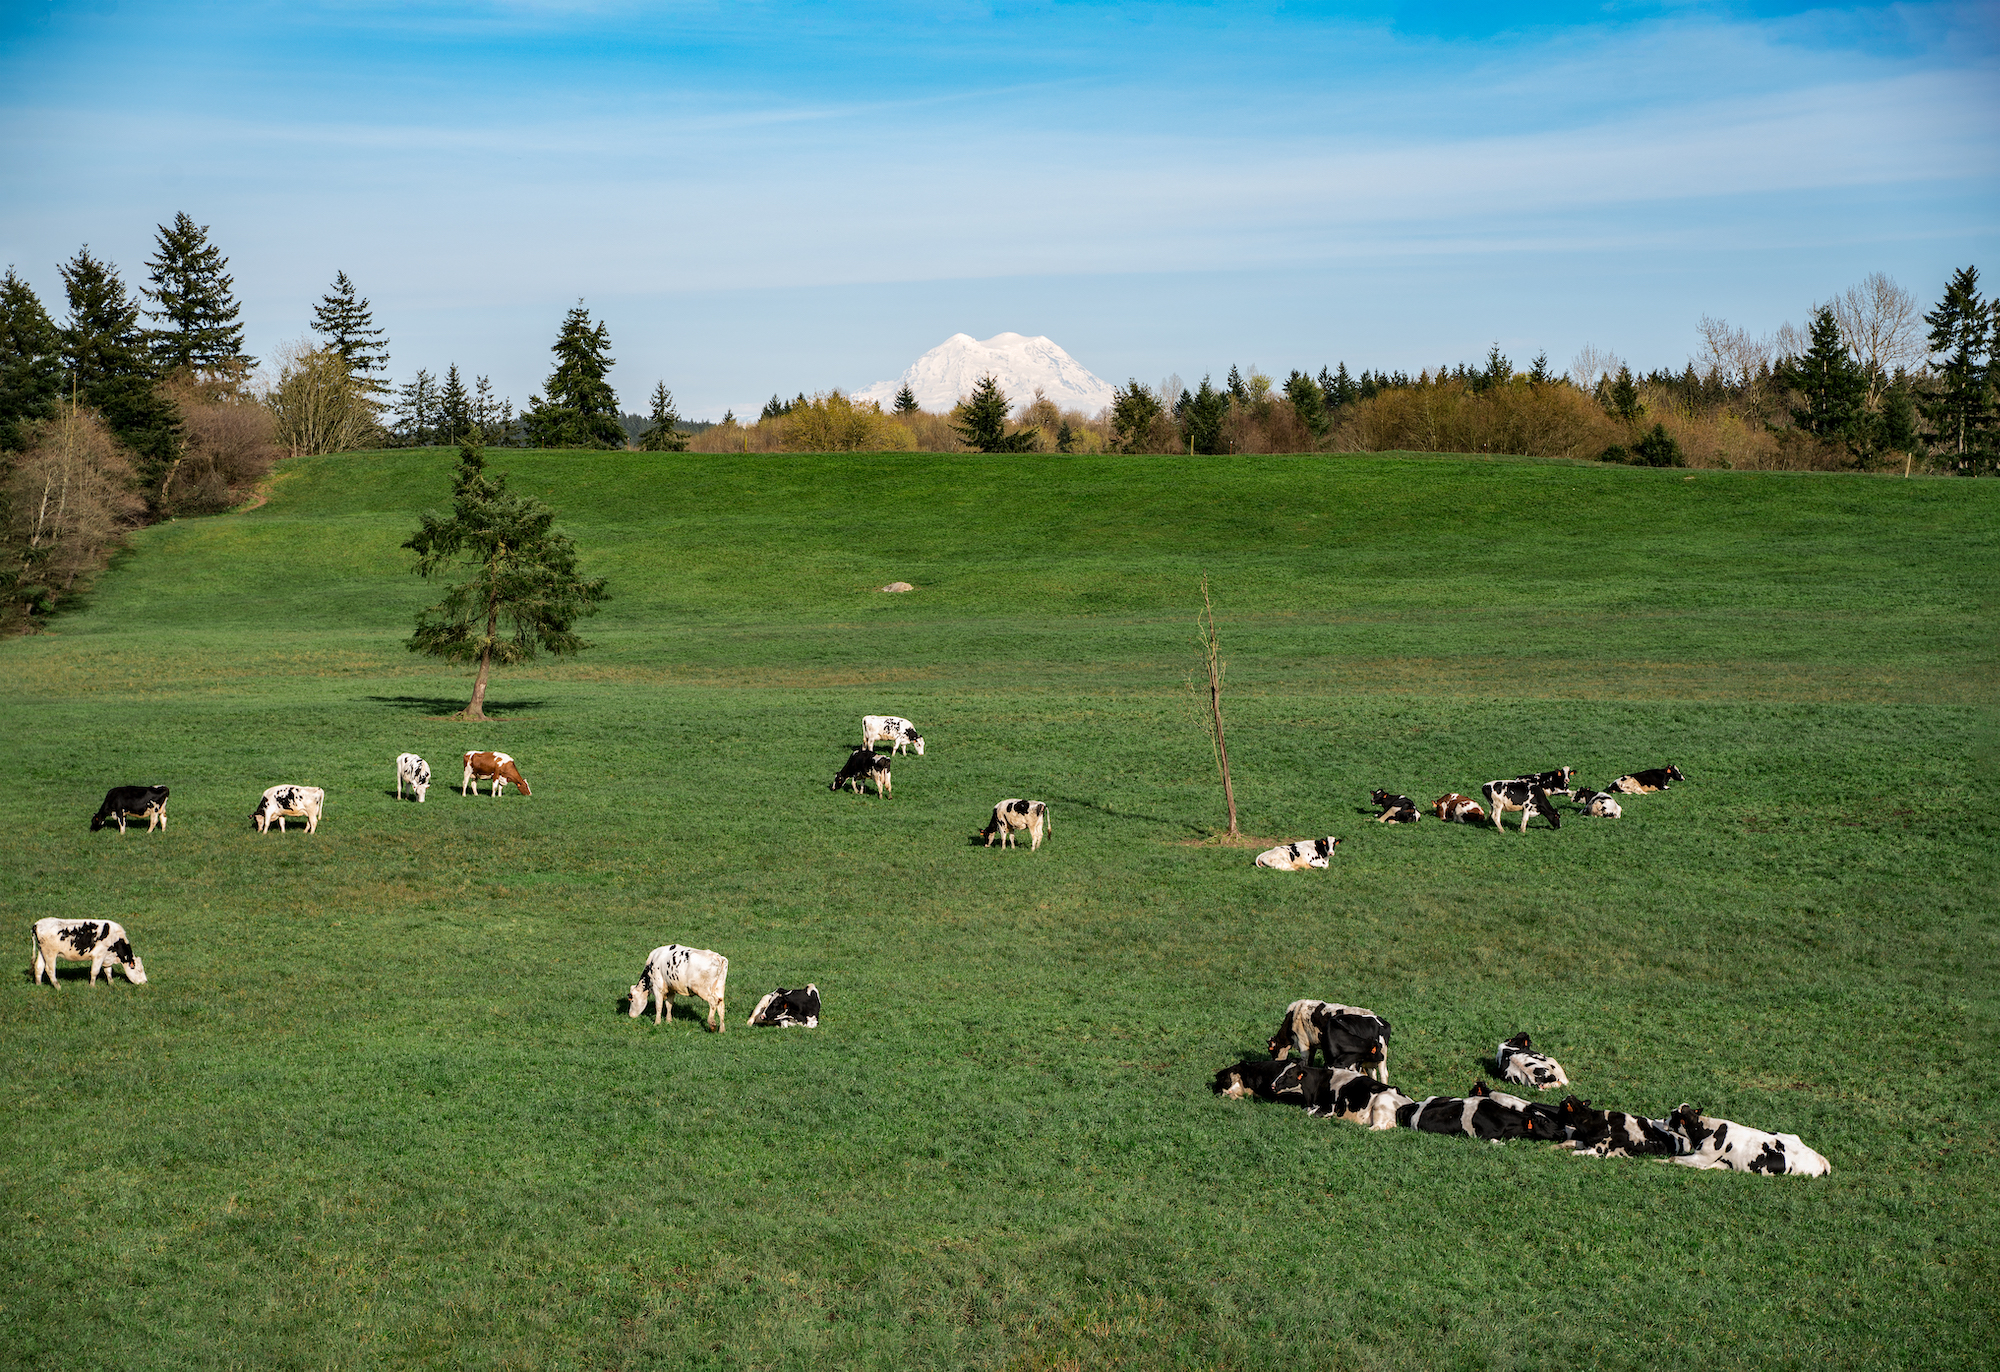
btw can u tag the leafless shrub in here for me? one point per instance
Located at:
(317, 405)
(229, 441)
(69, 501)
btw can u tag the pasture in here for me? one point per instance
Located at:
(380, 1104)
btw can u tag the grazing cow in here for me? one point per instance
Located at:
(782, 1009)
(1299, 854)
(497, 768)
(132, 802)
(1596, 804)
(1522, 1065)
(864, 765)
(672, 970)
(1010, 815)
(1723, 1143)
(289, 802)
(897, 730)
(1457, 809)
(1395, 809)
(1343, 1035)
(1545, 1115)
(1652, 779)
(1615, 1134)
(1477, 1117)
(413, 769)
(1526, 796)
(96, 941)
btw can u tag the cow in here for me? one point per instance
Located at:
(96, 941)
(1737, 1148)
(782, 1009)
(413, 769)
(1596, 804)
(1454, 808)
(1010, 815)
(132, 802)
(1556, 781)
(1262, 1079)
(864, 765)
(672, 970)
(1477, 1117)
(1395, 809)
(1338, 1093)
(1522, 1065)
(1652, 779)
(497, 768)
(1299, 854)
(1343, 1035)
(1545, 1114)
(289, 802)
(1615, 1134)
(1523, 795)
(894, 728)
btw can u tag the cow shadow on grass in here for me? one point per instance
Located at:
(451, 705)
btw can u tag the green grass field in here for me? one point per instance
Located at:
(380, 1105)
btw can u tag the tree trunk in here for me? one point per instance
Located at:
(1211, 655)
(477, 709)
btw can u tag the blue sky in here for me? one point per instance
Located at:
(782, 197)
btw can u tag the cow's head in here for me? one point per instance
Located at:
(99, 820)
(1324, 847)
(1279, 1048)
(917, 742)
(1686, 1121)
(1674, 773)
(261, 816)
(1379, 796)
(1521, 1041)
(636, 1002)
(1573, 1113)
(1480, 1088)
(135, 970)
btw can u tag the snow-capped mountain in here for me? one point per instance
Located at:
(948, 372)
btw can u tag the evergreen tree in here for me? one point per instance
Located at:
(1658, 449)
(454, 408)
(1622, 397)
(494, 418)
(581, 410)
(1339, 389)
(196, 302)
(349, 327)
(982, 421)
(1308, 402)
(1959, 410)
(1539, 372)
(1201, 419)
(906, 401)
(417, 410)
(106, 363)
(1896, 429)
(774, 408)
(1133, 410)
(30, 362)
(523, 575)
(664, 436)
(1831, 385)
(1065, 438)
(1237, 390)
(1499, 370)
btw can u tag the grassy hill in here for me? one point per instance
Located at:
(380, 1105)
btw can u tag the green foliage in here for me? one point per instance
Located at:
(1308, 402)
(906, 401)
(1658, 449)
(454, 409)
(1622, 397)
(1237, 391)
(1832, 388)
(107, 362)
(1960, 417)
(347, 323)
(417, 415)
(581, 410)
(1133, 410)
(982, 422)
(30, 362)
(196, 301)
(1201, 418)
(1065, 438)
(664, 436)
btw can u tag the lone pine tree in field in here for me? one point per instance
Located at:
(196, 303)
(664, 436)
(581, 410)
(349, 328)
(524, 578)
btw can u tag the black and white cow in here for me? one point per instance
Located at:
(1299, 854)
(1343, 1035)
(414, 770)
(1712, 1143)
(782, 1009)
(289, 802)
(1454, 808)
(895, 730)
(1012, 815)
(96, 941)
(1477, 1117)
(1615, 1134)
(1596, 804)
(1545, 1115)
(1556, 781)
(132, 802)
(1521, 794)
(672, 970)
(864, 765)
(1522, 1065)
(1262, 1079)
(1339, 1093)
(1652, 779)
(1395, 809)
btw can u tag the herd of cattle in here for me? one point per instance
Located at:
(1352, 1083)
(1532, 795)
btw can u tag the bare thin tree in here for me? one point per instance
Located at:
(1214, 666)
(1883, 327)
(1592, 363)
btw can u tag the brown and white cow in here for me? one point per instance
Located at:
(1454, 808)
(95, 941)
(289, 802)
(672, 970)
(1652, 779)
(497, 768)
(1011, 815)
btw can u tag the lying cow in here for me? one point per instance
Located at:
(672, 970)
(1615, 1134)
(1454, 808)
(413, 769)
(894, 729)
(1596, 804)
(1337, 1093)
(1556, 781)
(1521, 794)
(96, 941)
(1522, 1065)
(863, 765)
(497, 768)
(281, 803)
(1545, 1115)
(1395, 809)
(1343, 1035)
(1299, 854)
(1477, 1117)
(1012, 815)
(1264, 1080)
(1737, 1148)
(1652, 779)
(782, 1009)
(132, 802)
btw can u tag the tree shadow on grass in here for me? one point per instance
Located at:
(436, 706)
(1131, 815)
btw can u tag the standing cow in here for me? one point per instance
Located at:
(672, 970)
(132, 802)
(864, 765)
(1011, 815)
(289, 802)
(414, 770)
(895, 730)
(497, 768)
(96, 941)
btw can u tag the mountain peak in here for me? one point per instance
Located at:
(947, 373)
